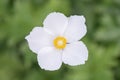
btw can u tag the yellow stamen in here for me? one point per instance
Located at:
(60, 42)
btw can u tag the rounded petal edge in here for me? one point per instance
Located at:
(75, 54)
(49, 59)
(38, 38)
(56, 22)
(76, 28)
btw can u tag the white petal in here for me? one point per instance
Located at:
(50, 58)
(38, 38)
(56, 22)
(76, 28)
(75, 54)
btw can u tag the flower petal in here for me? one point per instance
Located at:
(50, 58)
(56, 22)
(76, 28)
(75, 54)
(38, 38)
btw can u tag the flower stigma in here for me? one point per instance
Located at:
(60, 42)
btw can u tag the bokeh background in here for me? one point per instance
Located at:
(18, 17)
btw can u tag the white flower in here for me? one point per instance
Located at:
(58, 41)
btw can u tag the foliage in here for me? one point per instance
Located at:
(18, 17)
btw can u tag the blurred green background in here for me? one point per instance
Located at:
(18, 17)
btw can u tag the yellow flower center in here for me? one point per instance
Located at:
(60, 42)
